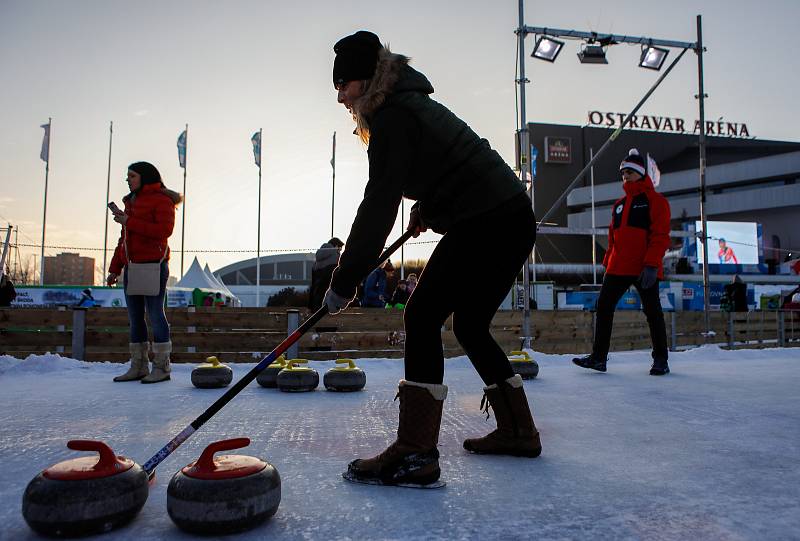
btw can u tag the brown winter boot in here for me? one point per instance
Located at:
(139, 363)
(413, 458)
(161, 368)
(516, 433)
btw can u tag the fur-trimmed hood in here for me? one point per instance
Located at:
(392, 75)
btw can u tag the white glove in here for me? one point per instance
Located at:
(335, 302)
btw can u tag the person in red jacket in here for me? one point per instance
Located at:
(147, 223)
(638, 236)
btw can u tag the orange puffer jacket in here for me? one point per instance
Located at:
(151, 219)
(638, 234)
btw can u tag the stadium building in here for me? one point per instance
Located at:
(277, 273)
(747, 180)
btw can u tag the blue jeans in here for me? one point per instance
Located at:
(137, 304)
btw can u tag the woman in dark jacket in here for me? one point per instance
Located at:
(420, 150)
(147, 223)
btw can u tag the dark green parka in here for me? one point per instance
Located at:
(420, 150)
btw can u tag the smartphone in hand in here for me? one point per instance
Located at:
(114, 208)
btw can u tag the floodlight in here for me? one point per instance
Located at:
(592, 54)
(547, 49)
(653, 57)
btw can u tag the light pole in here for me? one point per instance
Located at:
(595, 54)
(525, 170)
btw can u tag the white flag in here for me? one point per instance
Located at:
(652, 171)
(45, 153)
(333, 152)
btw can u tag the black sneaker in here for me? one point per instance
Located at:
(590, 361)
(659, 368)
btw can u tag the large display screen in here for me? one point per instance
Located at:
(730, 243)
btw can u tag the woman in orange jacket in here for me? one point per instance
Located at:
(147, 223)
(638, 236)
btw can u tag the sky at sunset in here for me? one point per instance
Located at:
(230, 68)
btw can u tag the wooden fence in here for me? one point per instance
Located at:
(247, 334)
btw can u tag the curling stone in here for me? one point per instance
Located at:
(212, 375)
(347, 377)
(523, 365)
(85, 496)
(297, 379)
(269, 376)
(223, 494)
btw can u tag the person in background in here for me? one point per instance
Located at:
(87, 300)
(411, 280)
(726, 254)
(736, 295)
(218, 300)
(792, 300)
(325, 261)
(7, 291)
(464, 190)
(147, 223)
(375, 286)
(638, 236)
(400, 296)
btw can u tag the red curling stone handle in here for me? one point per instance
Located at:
(107, 457)
(206, 460)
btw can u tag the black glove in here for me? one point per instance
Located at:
(648, 277)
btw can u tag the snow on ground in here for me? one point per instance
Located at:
(707, 452)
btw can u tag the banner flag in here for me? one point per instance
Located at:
(333, 152)
(45, 153)
(182, 149)
(256, 140)
(653, 171)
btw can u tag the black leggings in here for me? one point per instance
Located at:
(468, 275)
(613, 288)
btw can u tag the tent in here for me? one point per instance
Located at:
(196, 278)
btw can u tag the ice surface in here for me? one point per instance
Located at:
(711, 451)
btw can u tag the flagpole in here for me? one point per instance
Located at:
(594, 243)
(44, 213)
(402, 230)
(258, 234)
(108, 193)
(183, 216)
(333, 180)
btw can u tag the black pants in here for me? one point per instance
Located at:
(468, 275)
(610, 294)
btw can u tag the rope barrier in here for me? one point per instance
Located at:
(205, 251)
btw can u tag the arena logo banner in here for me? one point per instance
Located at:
(558, 150)
(668, 124)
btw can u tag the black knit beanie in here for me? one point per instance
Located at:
(634, 162)
(148, 172)
(356, 57)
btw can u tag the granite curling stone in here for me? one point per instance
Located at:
(269, 376)
(523, 365)
(212, 375)
(223, 494)
(345, 378)
(297, 379)
(85, 495)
